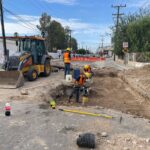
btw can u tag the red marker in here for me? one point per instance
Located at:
(7, 109)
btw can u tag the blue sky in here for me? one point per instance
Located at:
(89, 19)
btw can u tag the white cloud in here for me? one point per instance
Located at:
(24, 26)
(84, 32)
(138, 3)
(25, 17)
(75, 24)
(87, 33)
(65, 2)
(87, 28)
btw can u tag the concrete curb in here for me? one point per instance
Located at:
(132, 64)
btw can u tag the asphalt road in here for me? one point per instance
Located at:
(34, 126)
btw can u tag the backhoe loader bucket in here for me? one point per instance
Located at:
(11, 79)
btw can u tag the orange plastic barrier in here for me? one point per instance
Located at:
(92, 59)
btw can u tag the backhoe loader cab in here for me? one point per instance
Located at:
(31, 58)
(35, 47)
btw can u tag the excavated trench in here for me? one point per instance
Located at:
(108, 90)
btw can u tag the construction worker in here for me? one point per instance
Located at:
(78, 86)
(87, 71)
(67, 61)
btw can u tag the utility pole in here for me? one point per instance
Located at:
(86, 49)
(118, 15)
(70, 42)
(3, 32)
(70, 39)
(82, 45)
(102, 42)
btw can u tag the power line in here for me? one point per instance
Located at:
(102, 41)
(20, 19)
(145, 3)
(19, 22)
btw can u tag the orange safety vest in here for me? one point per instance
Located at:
(81, 80)
(66, 58)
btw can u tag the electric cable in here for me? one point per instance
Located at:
(20, 19)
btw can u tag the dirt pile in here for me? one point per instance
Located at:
(111, 91)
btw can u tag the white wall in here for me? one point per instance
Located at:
(11, 46)
(54, 55)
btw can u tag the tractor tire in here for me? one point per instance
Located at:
(86, 140)
(32, 75)
(47, 68)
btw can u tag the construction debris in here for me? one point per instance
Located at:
(24, 92)
(104, 134)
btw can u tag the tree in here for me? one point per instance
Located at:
(16, 34)
(74, 44)
(57, 37)
(81, 51)
(56, 31)
(45, 22)
(134, 29)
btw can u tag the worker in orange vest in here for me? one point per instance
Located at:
(67, 61)
(78, 85)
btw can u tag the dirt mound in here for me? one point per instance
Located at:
(114, 93)
(105, 72)
(139, 72)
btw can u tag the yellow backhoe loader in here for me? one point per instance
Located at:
(30, 61)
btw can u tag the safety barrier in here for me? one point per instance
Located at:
(92, 59)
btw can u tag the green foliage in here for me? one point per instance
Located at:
(16, 34)
(45, 22)
(143, 57)
(134, 29)
(55, 34)
(82, 51)
(74, 44)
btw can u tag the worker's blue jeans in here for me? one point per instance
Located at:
(67, 69)
(76, 91)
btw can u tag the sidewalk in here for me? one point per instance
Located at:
(131, 64)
